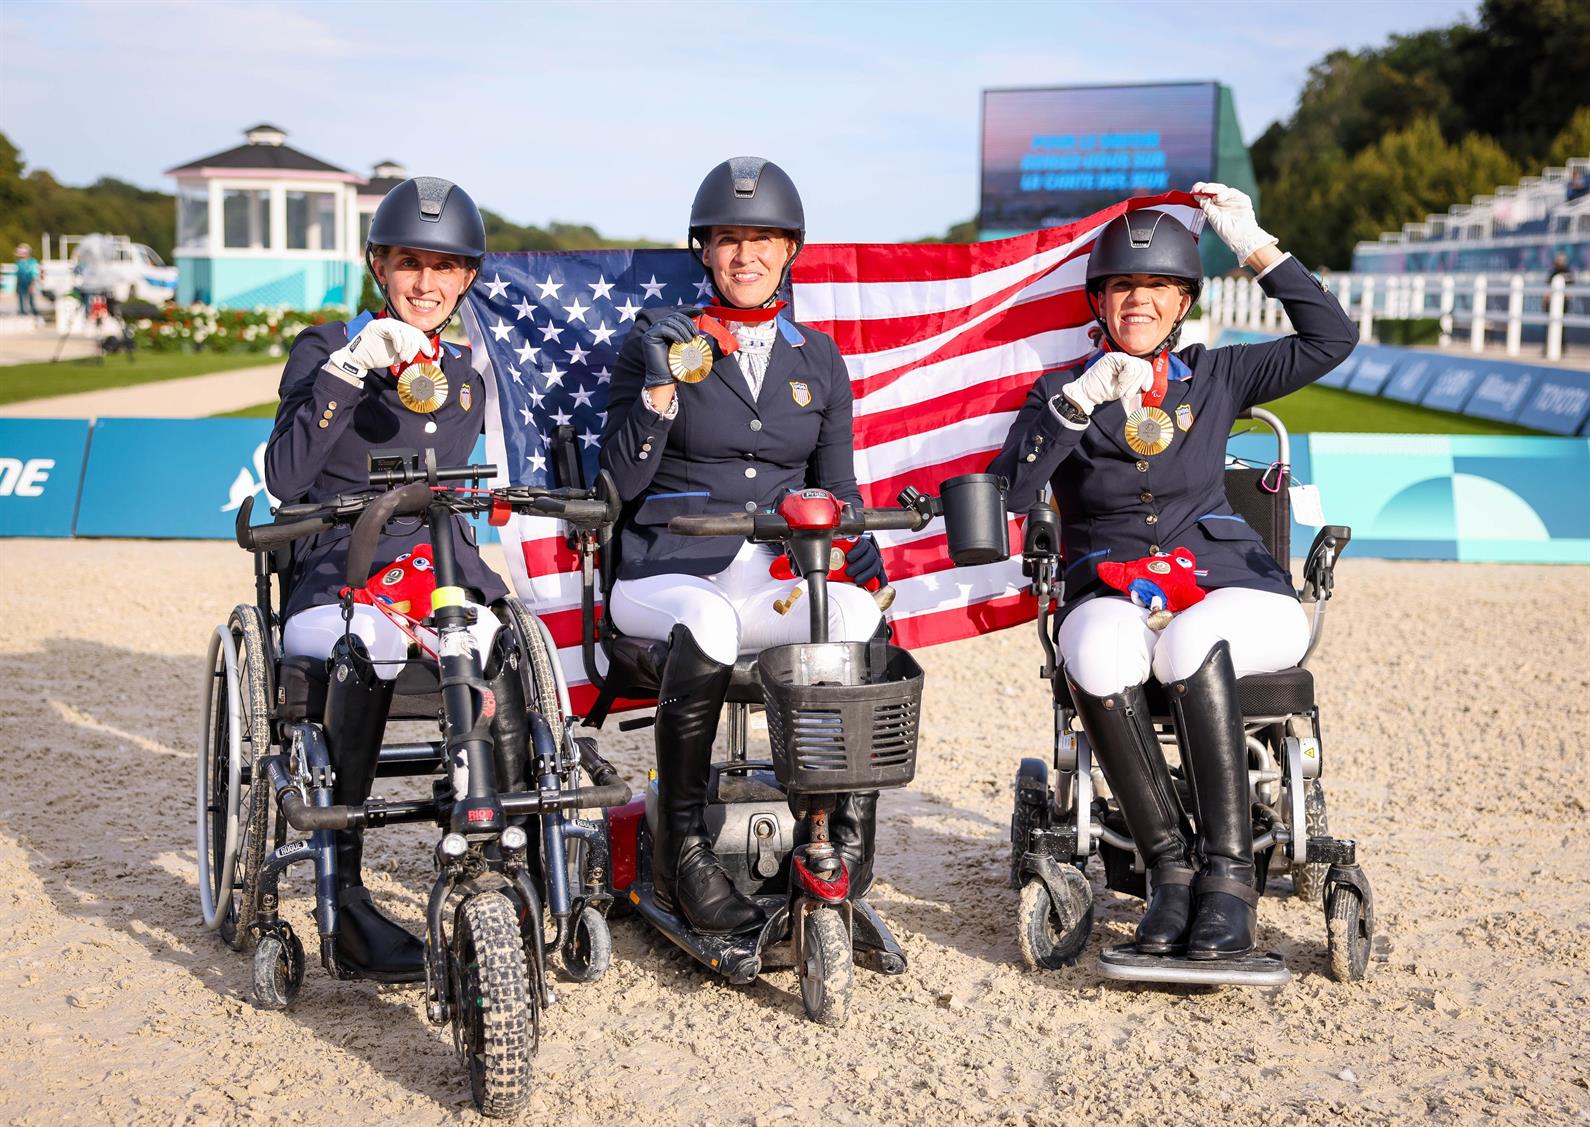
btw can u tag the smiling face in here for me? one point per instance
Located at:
(422, 286)
(747, 262)
(1140, 310)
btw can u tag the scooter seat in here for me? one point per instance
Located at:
(642, 660)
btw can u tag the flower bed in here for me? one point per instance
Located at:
(203, 328)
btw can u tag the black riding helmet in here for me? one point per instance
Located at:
(428, 213)
(1145, 241)
(747, 192)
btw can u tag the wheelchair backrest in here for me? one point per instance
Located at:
(1261, 496)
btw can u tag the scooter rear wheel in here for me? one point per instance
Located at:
(492, 1006)
(827, 971)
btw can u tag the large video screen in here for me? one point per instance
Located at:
(1053, 155)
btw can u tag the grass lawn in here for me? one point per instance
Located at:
(258, 411)
(1347, 412)
(68, 377)
(1312, 409)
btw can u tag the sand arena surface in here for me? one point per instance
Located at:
(1455, 704)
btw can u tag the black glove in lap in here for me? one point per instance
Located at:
(864, 563)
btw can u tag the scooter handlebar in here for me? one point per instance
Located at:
(729, 524)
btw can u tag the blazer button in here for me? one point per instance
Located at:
(1032, 457)
(1145, 496)
(1153, 549)
(643, 455)
(324, 424)
(1151, 518)
(756, 424)
(750, 471)
(331, 406)
(1142, 467)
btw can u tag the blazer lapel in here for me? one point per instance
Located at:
(779, 364)
(727, 368)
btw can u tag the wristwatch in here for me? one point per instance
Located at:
(1067, 410)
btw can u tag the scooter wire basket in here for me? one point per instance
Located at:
(841, 716)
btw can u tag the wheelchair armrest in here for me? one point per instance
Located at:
(1319, 568)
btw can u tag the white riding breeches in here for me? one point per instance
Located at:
(313, 632)
(1107, 645)
(732, 612)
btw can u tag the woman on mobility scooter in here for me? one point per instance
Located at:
(386, 380)
(771, 414)
(1133, 441)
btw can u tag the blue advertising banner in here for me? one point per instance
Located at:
(1561, 403)
(1413, 378)
(1374, 368)
(181, 478)
(172, 478)
(1502, 393)
(1458, 497)
(1451, 388)
(41, 467)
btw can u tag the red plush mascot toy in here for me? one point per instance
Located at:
(1164, 584)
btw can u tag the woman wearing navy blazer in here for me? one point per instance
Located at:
(773, 414)
(1133, 442)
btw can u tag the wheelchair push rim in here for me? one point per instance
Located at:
(216, 880)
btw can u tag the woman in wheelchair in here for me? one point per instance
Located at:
(1133, 440)
(386, 381)
(770, 414)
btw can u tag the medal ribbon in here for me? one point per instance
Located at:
(712, 318)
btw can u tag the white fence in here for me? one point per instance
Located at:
(1471, 308)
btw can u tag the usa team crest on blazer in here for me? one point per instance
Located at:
(801, 393)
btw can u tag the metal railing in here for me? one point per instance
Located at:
(1470, 309)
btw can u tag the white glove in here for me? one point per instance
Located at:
(1115, 375)
(380, 344)
(1230, 212)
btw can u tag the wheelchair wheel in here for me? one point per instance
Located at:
(233, 815)
(828, 969)
(1050, 938)
(1308, 881)
(1347, 939)
(588, 947)
(543, 687)
(492, 1004)
(278, 970)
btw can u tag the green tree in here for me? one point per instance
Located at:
(1573, 141)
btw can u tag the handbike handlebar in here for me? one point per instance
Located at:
(404, 501)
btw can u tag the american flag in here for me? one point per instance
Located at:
(942, 342)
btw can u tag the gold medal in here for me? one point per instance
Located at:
(1149, 430)
(690, 361)
(422, 388)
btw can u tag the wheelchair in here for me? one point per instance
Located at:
(263, 769)
(1060, 821)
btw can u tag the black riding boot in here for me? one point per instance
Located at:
(851, 827)
(1215, 753)
(1122, 735)
(510, 739)
(369, 945)
(687, 877)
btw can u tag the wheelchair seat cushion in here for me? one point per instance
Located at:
(301, 690)
(1282, 693)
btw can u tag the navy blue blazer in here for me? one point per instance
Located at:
(1118, 505)
(724, 452)
(320, 446)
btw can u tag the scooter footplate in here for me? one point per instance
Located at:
(736, 957)
(1258, 969)
(875, 946)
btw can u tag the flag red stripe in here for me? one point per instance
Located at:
(956, 623)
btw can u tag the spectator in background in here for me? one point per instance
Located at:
(1577, 185)
(1559, 265)
(27, 278)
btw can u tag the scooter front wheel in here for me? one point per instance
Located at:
(827, 969)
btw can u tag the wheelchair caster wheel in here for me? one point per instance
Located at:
(588, 947)
(278, 970)
(827, 970)
(1052, 936)
(1347, 938)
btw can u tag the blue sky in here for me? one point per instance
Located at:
(610, 113)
